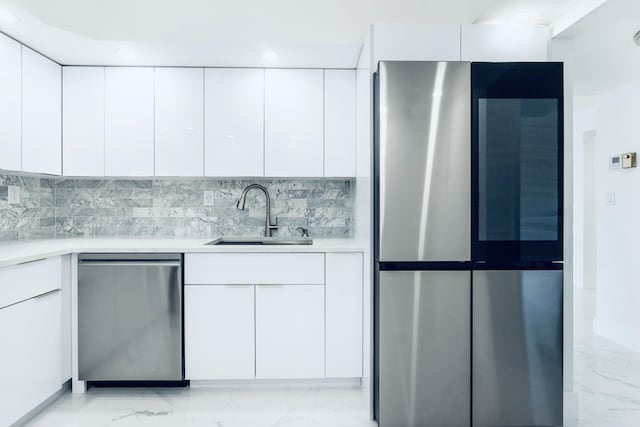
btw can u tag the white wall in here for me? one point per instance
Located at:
(584, 120)
(617, 232)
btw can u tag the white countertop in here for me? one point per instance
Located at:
(15, 252)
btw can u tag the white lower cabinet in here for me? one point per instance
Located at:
(289, 331)
(31, 358)
(344, 315)
(219, 332)
(274, 319)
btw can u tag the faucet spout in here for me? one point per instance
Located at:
(268, 225)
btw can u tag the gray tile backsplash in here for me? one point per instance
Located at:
(61, 207)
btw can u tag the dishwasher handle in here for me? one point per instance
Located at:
(124, 263)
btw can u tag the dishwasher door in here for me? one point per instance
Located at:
(130, 317)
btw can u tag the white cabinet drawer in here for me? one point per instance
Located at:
(24, 281)
(254, 269)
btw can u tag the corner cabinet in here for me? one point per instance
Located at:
(10, 104)
(271, 321)
(41, 114)
(31, 307)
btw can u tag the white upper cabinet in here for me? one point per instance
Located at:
(179, 129)
(294, 123)
(10, 104)
(41, 114)
(129, 121)
(83, 121)
(339, 123)
(505, 43)
(234, 122)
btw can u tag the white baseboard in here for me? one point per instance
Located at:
(571, 407)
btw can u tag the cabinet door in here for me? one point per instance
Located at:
(344, 315)
(41, 114)
(219, 332)
(500, 43)
(128, 121)
(234, 122)
(339, 123)
(31, 356)
(10, 104)
(294, 123)
(83, 121)
(289, 331)
(179, 134)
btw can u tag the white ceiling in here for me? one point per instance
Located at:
(304, 33)
(603, 50)
(533, 11)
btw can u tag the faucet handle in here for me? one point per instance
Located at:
(305, 231)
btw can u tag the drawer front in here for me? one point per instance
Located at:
(24, 281)
(254, 269)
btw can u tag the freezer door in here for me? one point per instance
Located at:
(517, 348)
(424, 349)
(423, 161)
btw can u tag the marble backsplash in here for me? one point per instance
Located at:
(62, 207)
(34, 215)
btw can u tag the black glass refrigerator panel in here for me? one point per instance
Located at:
(517, 145)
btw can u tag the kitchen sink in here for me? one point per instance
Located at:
(261, 241)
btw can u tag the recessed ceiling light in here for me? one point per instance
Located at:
(269, 56)
(518, 18)
(126, 53)
(7, 17)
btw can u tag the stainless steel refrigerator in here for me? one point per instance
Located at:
(468, 244)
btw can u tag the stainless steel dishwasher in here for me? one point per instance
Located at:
(130, 317)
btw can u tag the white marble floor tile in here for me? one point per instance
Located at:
(300, 407)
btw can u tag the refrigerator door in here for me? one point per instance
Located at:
(517, 162)
(424, 349)
(423, 161)
(517, 348)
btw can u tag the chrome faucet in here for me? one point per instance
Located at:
(268, 226)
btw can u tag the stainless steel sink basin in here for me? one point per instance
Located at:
(261, 241)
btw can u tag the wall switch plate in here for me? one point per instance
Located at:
(610, 198)
(13, 195)
(208, 198)
(615, 162)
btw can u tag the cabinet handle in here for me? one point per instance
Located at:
(33, 260)
(46, 294)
